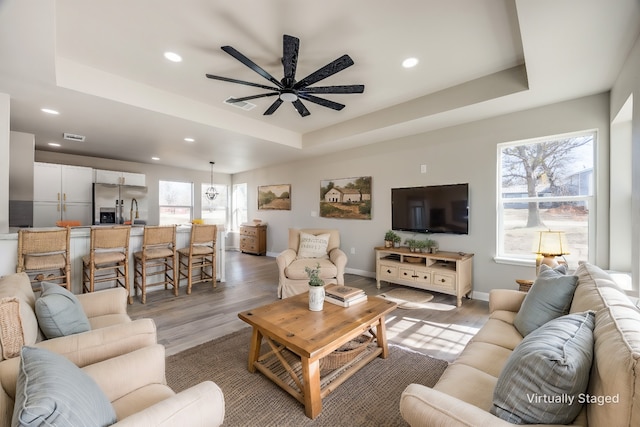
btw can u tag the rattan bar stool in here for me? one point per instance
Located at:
(109, 257)
(199, 255)
(157, 257)
(44, 256)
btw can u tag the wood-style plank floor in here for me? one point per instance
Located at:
(185, 321)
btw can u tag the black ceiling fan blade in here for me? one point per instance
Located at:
(334, 89)
(330, 69)
(249, 63)
(322, 101)
(246, 98)
(242, 82)
(299, 106)
(273, 107)
(290, 48)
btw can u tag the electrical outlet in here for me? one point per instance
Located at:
(423, 168)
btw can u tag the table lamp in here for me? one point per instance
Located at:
(550, 245)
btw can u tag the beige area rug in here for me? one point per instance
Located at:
(408, 298)
(369, 398)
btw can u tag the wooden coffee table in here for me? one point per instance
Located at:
(291, 330)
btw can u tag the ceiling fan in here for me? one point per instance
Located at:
(288, 89)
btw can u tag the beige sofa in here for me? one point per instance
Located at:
(292, 277)
(464, 394)
(121, 354)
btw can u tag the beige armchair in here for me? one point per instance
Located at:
(291, 262)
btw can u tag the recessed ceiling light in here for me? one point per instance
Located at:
(49, 111)
(410, 62)
(155, 158)
(54, 144)
(173, 57)
(189, 139)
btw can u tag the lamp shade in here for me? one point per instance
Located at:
(552, 243)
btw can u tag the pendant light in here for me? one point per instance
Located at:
(211, 192)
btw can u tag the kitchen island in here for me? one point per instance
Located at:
(80, 245)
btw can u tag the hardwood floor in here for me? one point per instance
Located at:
(441, 331)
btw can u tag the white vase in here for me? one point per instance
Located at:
(316, 298)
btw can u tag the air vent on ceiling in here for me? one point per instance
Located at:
(73, 137)
(246, 106)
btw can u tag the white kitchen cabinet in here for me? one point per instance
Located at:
(120, 178)
(47, 181)
(61, 192)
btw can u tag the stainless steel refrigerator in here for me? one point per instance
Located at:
(117, 204)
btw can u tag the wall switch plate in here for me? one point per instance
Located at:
(423, 168)
(353, 251)
(314, 213)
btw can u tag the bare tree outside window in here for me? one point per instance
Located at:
(545, 184)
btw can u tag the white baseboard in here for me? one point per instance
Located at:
(360, 272)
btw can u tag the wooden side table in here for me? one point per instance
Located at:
(524, 284)
(253, 239)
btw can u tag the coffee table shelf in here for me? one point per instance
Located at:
(271, 366)
(289, 340)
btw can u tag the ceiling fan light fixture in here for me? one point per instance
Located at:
(288, 96)
(288, 89)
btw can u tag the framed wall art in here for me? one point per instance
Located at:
(347, 198)
(274, 197)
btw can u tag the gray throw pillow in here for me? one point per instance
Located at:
(550, 297)
(546, 376)
(52, 391)
(59, 312)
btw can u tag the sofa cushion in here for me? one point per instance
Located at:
(550, 297)
(53, 391)
(312, 246)
(616, 363)
(546, 376)
(16, 287)
(296, 270)
(59, 312)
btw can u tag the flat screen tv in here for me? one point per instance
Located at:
(431, 209)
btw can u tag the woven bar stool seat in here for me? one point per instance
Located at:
(44, 255)
(157, 258)
(199, 255)
(108, 258)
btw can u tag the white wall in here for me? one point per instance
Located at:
(22, 152)
(465, 153)
(4, 162)
(628, 84)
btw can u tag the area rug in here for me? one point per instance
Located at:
(369, 398)
(408, 298)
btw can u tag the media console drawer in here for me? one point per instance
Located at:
(446, 272)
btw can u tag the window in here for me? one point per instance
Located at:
(215, 211)
(176, 202)
(240, 203)
(546, 184)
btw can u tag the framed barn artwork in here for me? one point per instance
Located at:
(346, 198)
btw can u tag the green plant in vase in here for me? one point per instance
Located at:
(316, 288)
(391, 238)
(313, 274)
(412, 243)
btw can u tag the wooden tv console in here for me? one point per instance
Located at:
(446, 272)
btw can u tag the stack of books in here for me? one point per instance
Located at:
(344, 296)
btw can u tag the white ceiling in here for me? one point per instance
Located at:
(101, 65)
